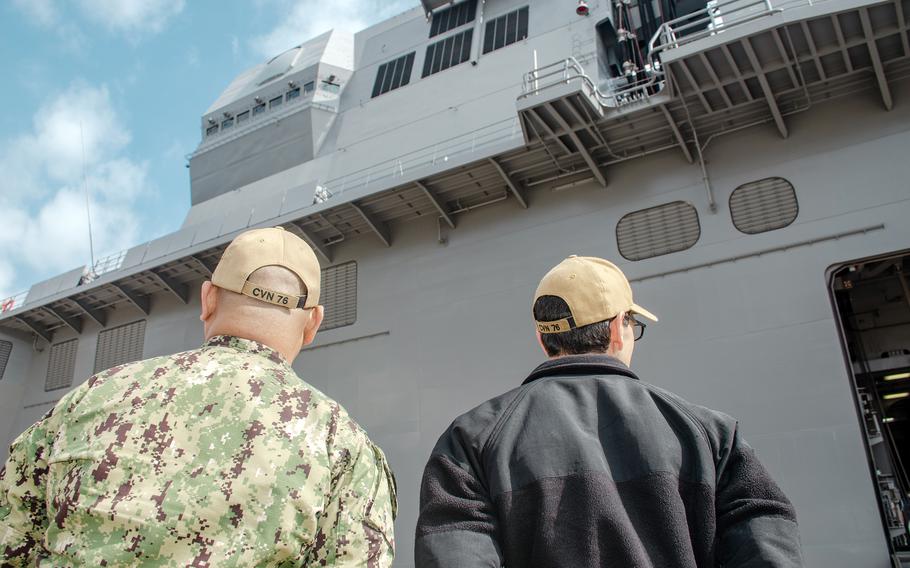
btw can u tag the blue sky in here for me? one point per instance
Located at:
(118, 86)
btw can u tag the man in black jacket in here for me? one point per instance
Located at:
(585, 465)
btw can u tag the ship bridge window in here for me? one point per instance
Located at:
(506, 30)
(657, 231)
(227, 123)
(119, 345)
(330, 86)
(6, 348)
(453, 17)
(276, 102)
(259, 109)
(393, 74)
(763, 205)
(447, 53)
(339, 295)
(309, 87)
(243, 117)
(60, 365)
(293, 93)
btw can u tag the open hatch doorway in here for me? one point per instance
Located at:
(872, 305)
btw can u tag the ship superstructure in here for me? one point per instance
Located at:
(746, 159)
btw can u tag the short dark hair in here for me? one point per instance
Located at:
(591, 338)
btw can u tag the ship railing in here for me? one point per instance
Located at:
(638, 87)
(13, 303)
(405, 165)
(715, 18)
(104, 265)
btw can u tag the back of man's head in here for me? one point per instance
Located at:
(591, 338)
(265, 288)
(581, 305)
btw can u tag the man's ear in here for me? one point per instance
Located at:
(312, 325)
(209, 300)
(616, 341)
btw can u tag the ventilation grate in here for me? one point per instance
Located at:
(61, 365)
(453, 17)
(763, 205)
(394, 74)
(657, 231)
(445, 53)
(5, 349)
(119, 345)
(506, 30)
(339, 295)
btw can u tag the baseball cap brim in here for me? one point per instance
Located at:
(643, 312)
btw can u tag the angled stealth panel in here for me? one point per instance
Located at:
(56, 284)
(299, 197)
(267, 206)
(134, 256)
(180, 240)
(207, 230)
(158, 248)
(254, 156)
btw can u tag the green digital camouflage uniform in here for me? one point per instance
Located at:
(219, 456)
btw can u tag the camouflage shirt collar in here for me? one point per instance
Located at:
(246, 346)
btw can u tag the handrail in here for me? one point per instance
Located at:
(716, 17)
(13, 303)
(569, 70)
(399, 166)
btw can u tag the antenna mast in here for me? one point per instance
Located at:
(88, 211)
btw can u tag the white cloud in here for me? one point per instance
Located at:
(299, 21)
(48, 14)
(132, 17)
(42, 12)
(45, 228)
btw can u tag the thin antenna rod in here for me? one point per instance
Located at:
(88, 210)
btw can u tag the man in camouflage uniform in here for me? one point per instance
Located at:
(220, 456)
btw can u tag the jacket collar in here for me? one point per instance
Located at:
(247, 346)
(580, 365)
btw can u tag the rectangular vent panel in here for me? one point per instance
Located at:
(339, 295)
(453, 17)
(6, 348)
(506, 30)
(393, 74)
(763, 205)
(658, 230)
(448, 52)
(119, 345)
(60, 365)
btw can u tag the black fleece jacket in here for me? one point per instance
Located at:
(585, 465)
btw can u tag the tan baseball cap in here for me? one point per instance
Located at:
(595, 290)
(252, 250)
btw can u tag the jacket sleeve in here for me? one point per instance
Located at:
(356, 527)
(23, 510)
(457, 525)
(756, 524)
